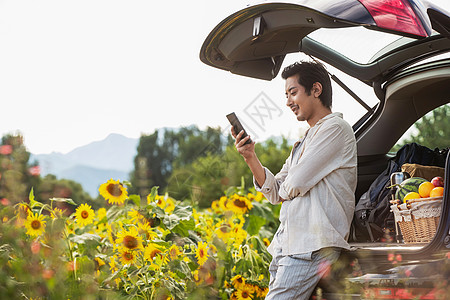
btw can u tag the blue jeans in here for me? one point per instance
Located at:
(296, 276)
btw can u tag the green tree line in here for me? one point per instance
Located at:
(432, 130)
(187, 163)
(18, 177)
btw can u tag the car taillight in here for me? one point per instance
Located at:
(395, 15)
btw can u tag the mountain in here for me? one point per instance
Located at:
(92, 164)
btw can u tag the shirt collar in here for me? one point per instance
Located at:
(329, 116)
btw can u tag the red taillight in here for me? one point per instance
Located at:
(395, 15)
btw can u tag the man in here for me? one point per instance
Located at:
(315, 186)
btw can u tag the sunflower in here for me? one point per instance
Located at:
(35, 224)
(223, 203)
(174, 252)
(150, 251)
(84, 215)
(128, 257)
(112, 264)
(135, 216)
(129, 239)
(261, 292)
(245, 293)
(21, 213)
(160, 201)
(239, 235)
(114, 192)
(238, 281)
(170, 206)
(224, 231)
(145, 228)
(201, 253)
(239, 204)
(101, 214)
(258, 197)
(56, 213)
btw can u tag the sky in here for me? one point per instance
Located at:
(73, 72)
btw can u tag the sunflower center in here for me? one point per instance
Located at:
(130, 242)
(154, 253)
(245, 294)
(225, 228)
(114, 189)
(239, 203)
(35, 224)
(128, 255)
(201, 253)
(84, 214)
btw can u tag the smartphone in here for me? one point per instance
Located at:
(234, 121)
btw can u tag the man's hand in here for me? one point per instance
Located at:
(247, 151)
(249, 155)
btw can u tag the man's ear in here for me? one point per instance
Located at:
(316, 89)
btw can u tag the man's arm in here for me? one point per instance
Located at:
(325, 153)
(250, 157)
(264, 180)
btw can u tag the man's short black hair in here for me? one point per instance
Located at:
(308, 74)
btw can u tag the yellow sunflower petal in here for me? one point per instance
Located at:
(84, 215)
(114, 192)
(35, 224)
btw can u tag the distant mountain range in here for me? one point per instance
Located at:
(92, 164)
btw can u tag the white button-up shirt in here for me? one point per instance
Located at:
(318, 183)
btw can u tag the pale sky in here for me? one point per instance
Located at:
(72, 72)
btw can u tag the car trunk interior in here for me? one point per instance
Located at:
(409, 96)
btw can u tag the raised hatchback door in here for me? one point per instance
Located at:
(254, 41)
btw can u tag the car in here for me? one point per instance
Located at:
(409, 78)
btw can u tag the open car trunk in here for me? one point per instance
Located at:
(254, 42)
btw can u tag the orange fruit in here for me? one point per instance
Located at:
(437, 191)
(411, 195)
(425, 189)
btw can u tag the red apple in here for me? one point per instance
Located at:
(438, 181)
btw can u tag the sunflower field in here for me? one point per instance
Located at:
(134, 248)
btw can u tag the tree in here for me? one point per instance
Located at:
(18, 177)
(209, 176)
(432, 130)
(159, 153)
(15, 176)
(51, 187)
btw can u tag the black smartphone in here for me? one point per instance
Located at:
(237, 126)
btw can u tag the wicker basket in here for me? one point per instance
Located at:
(418, 219)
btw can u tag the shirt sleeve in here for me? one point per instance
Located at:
(322, 155)
(272, 184)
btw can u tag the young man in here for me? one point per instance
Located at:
(315, 186)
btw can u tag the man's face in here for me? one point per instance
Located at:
(301, 104)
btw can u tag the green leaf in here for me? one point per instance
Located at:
(85, 237)
(136, 199)
(153, 193)
(183, 227)
(31, 195)
(65, 200)
(33, 203)
(112, 276)
(183, 212)
(254, 224)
